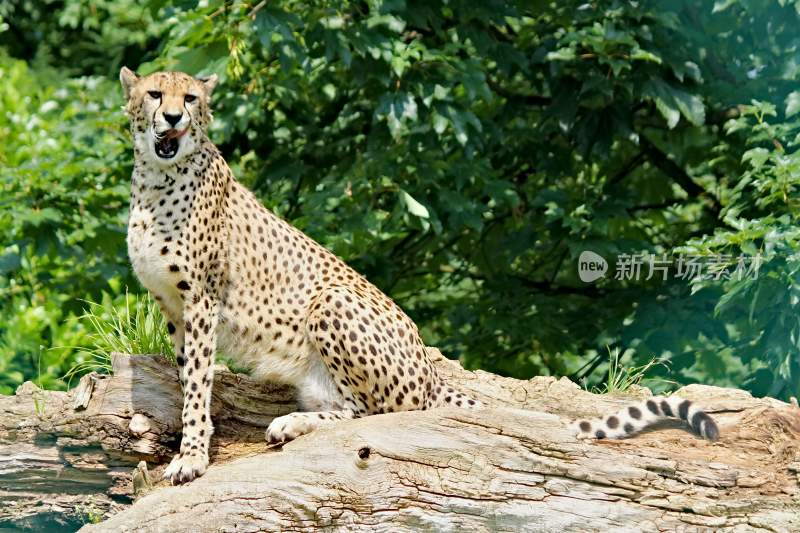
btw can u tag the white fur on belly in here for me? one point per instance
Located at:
(270, 360)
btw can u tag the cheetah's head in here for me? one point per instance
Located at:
(169, 113)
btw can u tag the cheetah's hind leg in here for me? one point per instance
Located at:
(289, 427)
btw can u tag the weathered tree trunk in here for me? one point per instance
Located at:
(69, 458)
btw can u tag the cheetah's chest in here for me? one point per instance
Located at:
(151, 258)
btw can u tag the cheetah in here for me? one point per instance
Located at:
(228, 274)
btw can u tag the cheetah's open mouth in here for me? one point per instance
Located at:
(167, 143)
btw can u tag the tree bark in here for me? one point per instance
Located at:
(69, 457)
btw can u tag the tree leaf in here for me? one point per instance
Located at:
(792, 103)
(413, 206)
(672, 102)
(756, 156)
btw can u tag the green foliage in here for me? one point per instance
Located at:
(89, 514)
(35, 343)
(63, 179)
(761, 313)
(76, 36)
(460, 154)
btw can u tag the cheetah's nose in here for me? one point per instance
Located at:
(172, 119)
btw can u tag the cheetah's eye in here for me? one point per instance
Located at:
(189, 98)
(155, 94)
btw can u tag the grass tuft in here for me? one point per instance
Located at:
(136, 327)
(621, 378)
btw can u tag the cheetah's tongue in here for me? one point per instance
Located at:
(175, 134)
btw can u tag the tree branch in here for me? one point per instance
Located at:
(628, 167)
(589, 291)
(528, 99)
(671, 169)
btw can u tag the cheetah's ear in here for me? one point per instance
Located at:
(209, 82)
(128, 79)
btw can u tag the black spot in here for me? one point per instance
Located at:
(635, 413)
(666, 408)
(182, 285)
(683, 409)
(585, 426)
(170, 328)
(703, 425)
(363, 453)
(180, 360)
(173, 268)
(653, 407)
(612, 422)
(600, 434)
(628, 428)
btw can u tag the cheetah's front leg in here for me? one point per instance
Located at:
(175, 330)
(197, 375)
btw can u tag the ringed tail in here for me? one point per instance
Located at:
(637, 417)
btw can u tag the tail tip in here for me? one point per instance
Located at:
(711, 430)
(705, 426)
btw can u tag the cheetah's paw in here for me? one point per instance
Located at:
(185, 468)
(289, 427)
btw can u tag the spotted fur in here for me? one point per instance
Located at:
(230, 275)
(635, 418)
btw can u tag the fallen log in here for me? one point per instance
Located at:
(67, 458)
(71, 457)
